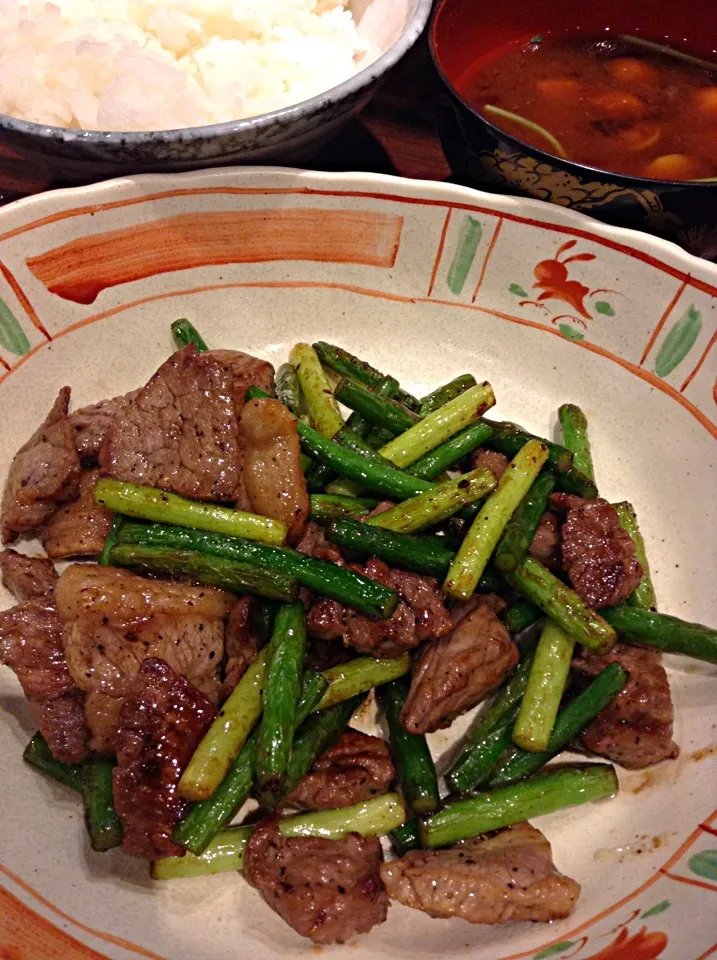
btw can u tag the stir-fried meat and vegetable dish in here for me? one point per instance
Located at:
(263, 565)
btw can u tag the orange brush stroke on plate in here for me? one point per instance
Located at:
(82, 269)
(639, 946)
(24, 935)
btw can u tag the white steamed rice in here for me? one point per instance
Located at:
(164, 64)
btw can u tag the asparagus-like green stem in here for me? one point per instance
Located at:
(482, 538)
(360, 676)
(643, 596)
(389, 414)
(282, 687)
(449, 391)
(435, 506)
(149, 503)
(185, 333)
(38, 754)
(103, 825)
(318, 733)
(224, 853)
(346, 365)
(288, 388)
(477, 763)
(439, 426)
(563, 605)
(574, 425)
(111, 539)
(227, 734)
(508, 438)
(207, 817)
(519, 533)
(202, 568)
(435, 462)
(505, 806)
(323, 408)
(571, 720)
(405, 837)
(351, 441)
(326, 507)
(400, 549)
(662, 632)
(544, 691)
(481, 752)
(410, 751)
(370, 818)
(521, 615)
(320, 576)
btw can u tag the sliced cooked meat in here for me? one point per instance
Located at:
(27, 578)
(180, 432)
(31, 645)
(356, 768)
(329, 890)
(79, 528)
(44, 473)
(313, 543)
(635, 730)
(421, 614)
(496, 462)
(507, 877)
(246, 371)
(91, 424)
(161, 723)
(455, 673)
(273, 476)
(241, 643)
(324, 654)
(114, 620)
(598, 555)
(546, 542)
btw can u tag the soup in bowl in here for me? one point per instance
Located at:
(596, 110)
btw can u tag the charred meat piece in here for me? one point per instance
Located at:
(27, 578)
(241, 643)
(635, 730)
(546, 542)
(421, 614)
(79, 528)
(455, 673)
(598, 555)
(273, 476)
(31, 645)
(245, 371)
(356, 768)
(314, 544)
(329, 890)
(91, 424)
(113, 620)
(44, 473)
(506, 877)
(160, 725)
(324, 654)
(496, 462)
(180, 432)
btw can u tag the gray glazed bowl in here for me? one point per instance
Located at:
(283, 136)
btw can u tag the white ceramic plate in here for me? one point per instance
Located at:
(427, 281)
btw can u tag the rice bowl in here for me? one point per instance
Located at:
(146, 65)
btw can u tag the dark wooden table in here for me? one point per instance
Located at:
(395, 134)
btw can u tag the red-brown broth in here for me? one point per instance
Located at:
(610, 105)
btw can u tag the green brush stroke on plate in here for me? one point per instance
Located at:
(570, 333)
(469, 236)
(517, 290)
(555, 949)
(704, 864)
(678, 342)
(12, 336)
(658, 908)
(602, 306)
